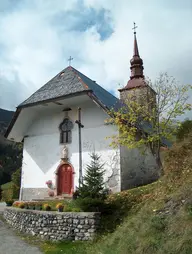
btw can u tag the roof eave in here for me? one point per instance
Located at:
(20, 107)
(97, 101)
(53, 99)
(13, 120)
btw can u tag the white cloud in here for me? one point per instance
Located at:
(37, 43)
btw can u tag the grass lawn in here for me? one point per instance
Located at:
(153, 219)
(65, 247)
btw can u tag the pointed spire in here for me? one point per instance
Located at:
(136, 61)
(137, 77)
(135, 48)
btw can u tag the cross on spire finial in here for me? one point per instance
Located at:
(70, 59)
(134, 27)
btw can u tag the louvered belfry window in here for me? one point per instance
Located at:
(65, 131)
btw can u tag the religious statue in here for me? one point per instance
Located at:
(65, 153)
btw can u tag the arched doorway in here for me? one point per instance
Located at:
(64, 179)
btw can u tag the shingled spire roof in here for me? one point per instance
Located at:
(135, 47)
(137, 77)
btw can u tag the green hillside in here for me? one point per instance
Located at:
(5, 118)
(10, 152)
(155, 219)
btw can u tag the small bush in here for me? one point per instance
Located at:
(59, 206)
(184, 130)
(31, 205)
(7, 191)
(16, 204)
(38, 206)
(9, 202)
(47, 207)
(16, 180)
(26, 205)
(21, 205)
(91, 204)
(11, 189)
(76, 210)
(67, 209)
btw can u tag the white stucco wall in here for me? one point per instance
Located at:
(42, 151)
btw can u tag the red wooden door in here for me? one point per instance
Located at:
(65, 179)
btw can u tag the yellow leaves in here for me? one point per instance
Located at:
(171, 103)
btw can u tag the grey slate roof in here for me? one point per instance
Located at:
(69, 82)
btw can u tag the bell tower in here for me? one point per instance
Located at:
(137, 87)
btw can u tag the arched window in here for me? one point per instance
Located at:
(65, 131)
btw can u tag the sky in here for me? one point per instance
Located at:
(38, 36)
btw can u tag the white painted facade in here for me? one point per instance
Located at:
(42, 149)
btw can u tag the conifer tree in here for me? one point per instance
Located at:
(93, 183)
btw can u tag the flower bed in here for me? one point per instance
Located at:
(61, 206)
(53, 225)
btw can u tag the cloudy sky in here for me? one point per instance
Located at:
(38, 36)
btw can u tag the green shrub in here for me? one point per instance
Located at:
(21, 205)
(184, 130)
(91, 204)
(26, 205)
(38, 206)
(11, 189)
(7, 191)
(9, 202)
(31, 205)
(6, 186)
(76, 209)
(16, 180)
(67, 208)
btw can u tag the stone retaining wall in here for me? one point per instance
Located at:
(54, 226)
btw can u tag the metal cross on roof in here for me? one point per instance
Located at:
(134, 27)
(70, 59)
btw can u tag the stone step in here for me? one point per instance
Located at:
(53, 198)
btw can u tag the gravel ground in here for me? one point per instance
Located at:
(13, 244)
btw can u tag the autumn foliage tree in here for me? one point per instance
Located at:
(151, 121)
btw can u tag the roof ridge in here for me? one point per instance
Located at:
(76, 72)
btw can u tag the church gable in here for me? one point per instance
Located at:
(64, 86)
(70, 82)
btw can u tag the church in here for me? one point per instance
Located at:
(63, 122)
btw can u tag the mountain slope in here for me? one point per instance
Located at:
(156, 218)
(10, 152)
(6, 115)
(5, 118)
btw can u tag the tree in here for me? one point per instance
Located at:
(149, 119)
(184, 129)
(93, 185)
(16, 181)
(10, 160)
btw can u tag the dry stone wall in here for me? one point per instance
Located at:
(54, 226)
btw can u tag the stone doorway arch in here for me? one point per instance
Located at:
(64, 179)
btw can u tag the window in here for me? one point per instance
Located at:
(65, 131)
